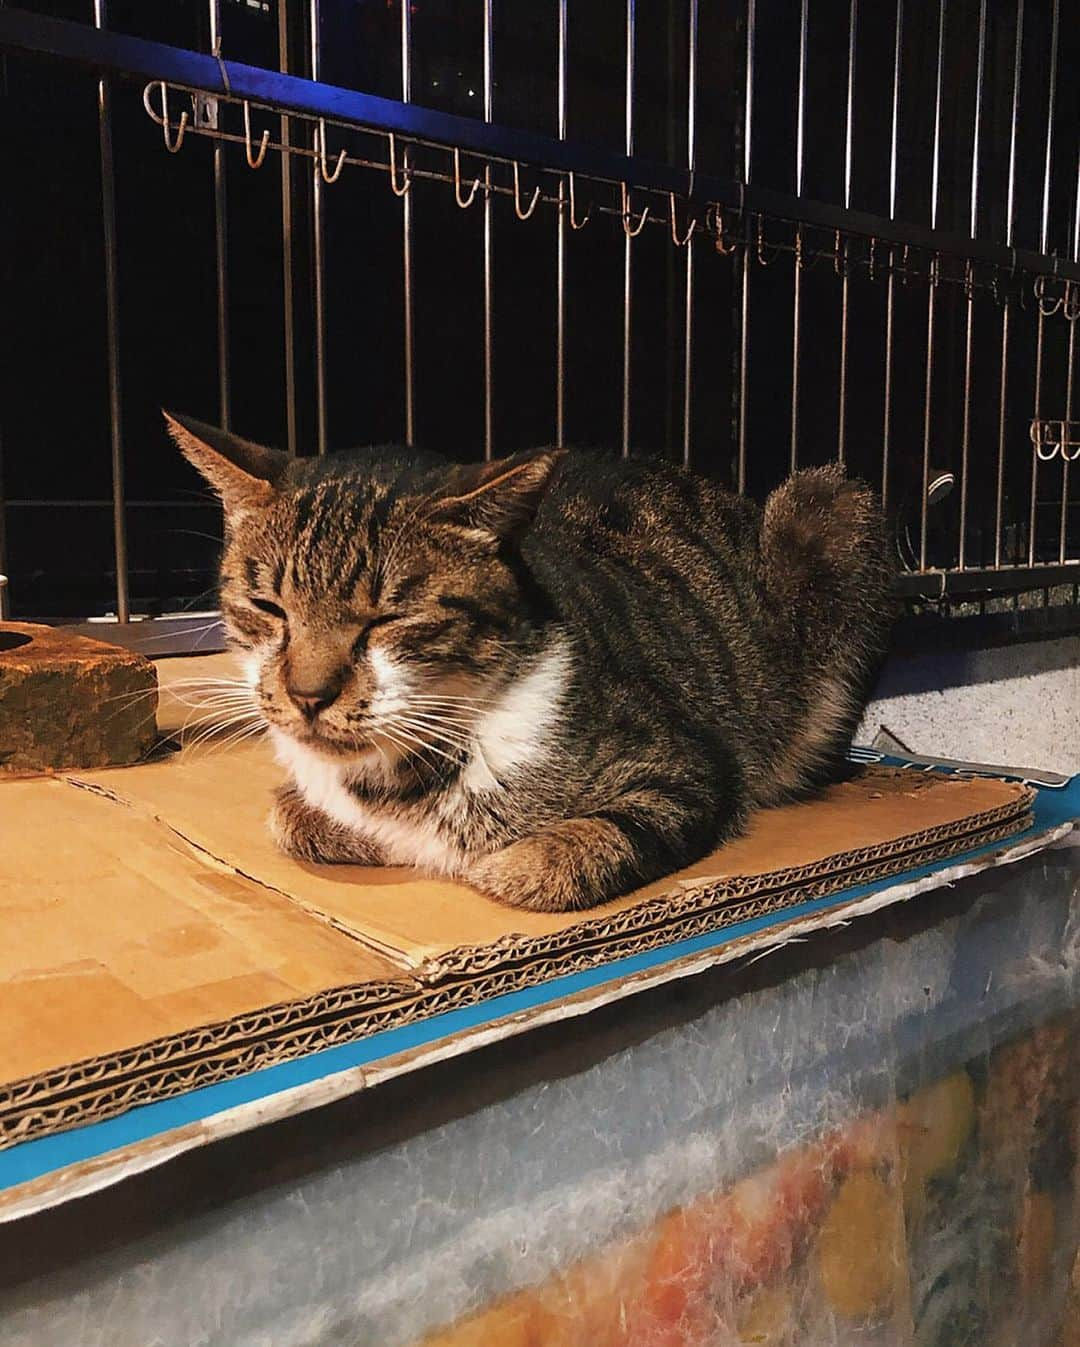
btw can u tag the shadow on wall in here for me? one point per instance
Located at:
(1017, 705)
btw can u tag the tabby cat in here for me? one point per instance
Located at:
(553, 676)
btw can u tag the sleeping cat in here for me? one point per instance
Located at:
(554, 676)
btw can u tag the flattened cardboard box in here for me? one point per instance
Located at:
(156, 941)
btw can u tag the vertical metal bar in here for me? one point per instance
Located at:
(928, 396)
(318, 238)
(969, 335)
(890, 291)
(1004, 385)
(1064, 520)
(976, 141)
(691, 163)
(4, 599)
(931, 298)
(744, 316)
(800, 131)
(489, 373)
(1010, 197)
(1063, 526)
(288, 297)
(407, 242)
(1044, 229)
(800, 106)
(560, 247)
(221, 244)
(849, 145)
(1011, 189)
(1039, 334)
(112, 333)
(627, 241)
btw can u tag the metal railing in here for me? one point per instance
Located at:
(984, 283)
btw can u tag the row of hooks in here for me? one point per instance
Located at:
(845, 253)
(401, 173)
(1055, 439)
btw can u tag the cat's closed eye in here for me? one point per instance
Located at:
(360, 644)
(265, 606)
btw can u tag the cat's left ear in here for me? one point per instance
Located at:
(501, 497)
(243, 474)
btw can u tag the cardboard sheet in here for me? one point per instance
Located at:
(219, 802)
(156, 941)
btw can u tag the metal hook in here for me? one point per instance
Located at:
(1074, 444)
(760, 244)
(406, 181)
(575, 223)
(969, 280)
(1072, 301)
(1040, 295)
(254, 160)
(320, 144)
(465, 202)
(725, 250)
(172, 146)
(1041, 434)
(840, 255)
(632, 231)
(523, 214)
(679, 242)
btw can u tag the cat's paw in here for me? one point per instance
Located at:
(310, 835)
(564, 868)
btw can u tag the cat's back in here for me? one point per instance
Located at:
(642, 526)
(599, 503)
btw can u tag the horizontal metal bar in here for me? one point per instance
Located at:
(989, 580)
(133, 57)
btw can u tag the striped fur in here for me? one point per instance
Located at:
(555, 676)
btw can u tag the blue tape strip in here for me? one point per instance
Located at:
(32, 1159)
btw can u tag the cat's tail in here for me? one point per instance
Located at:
(826, 569)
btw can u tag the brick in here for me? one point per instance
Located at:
(65, 701)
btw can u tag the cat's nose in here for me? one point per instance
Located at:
(310, 701)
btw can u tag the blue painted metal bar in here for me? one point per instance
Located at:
(121, 55)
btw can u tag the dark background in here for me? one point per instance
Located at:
(54, 432)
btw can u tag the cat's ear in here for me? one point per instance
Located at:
(242, 473)
(501, 497)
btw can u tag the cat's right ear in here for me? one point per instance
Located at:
(242, 473)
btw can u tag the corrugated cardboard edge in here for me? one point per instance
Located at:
(105, 1086)
(669, 912)
(107, 1169)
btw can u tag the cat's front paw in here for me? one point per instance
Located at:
(563, 868)
(310, 835)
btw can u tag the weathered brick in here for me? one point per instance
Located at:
(67, 701)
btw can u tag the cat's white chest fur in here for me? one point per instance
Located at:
(514, 734)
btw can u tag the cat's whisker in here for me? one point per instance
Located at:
(439, 718)
(208, 726)
(462, 730)
(239, 737)
(223, 735)
(411, 735)
(407, 754)
(126, 707)
(171, 635)
(129, 696)
(434, 738)
(215, 716)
